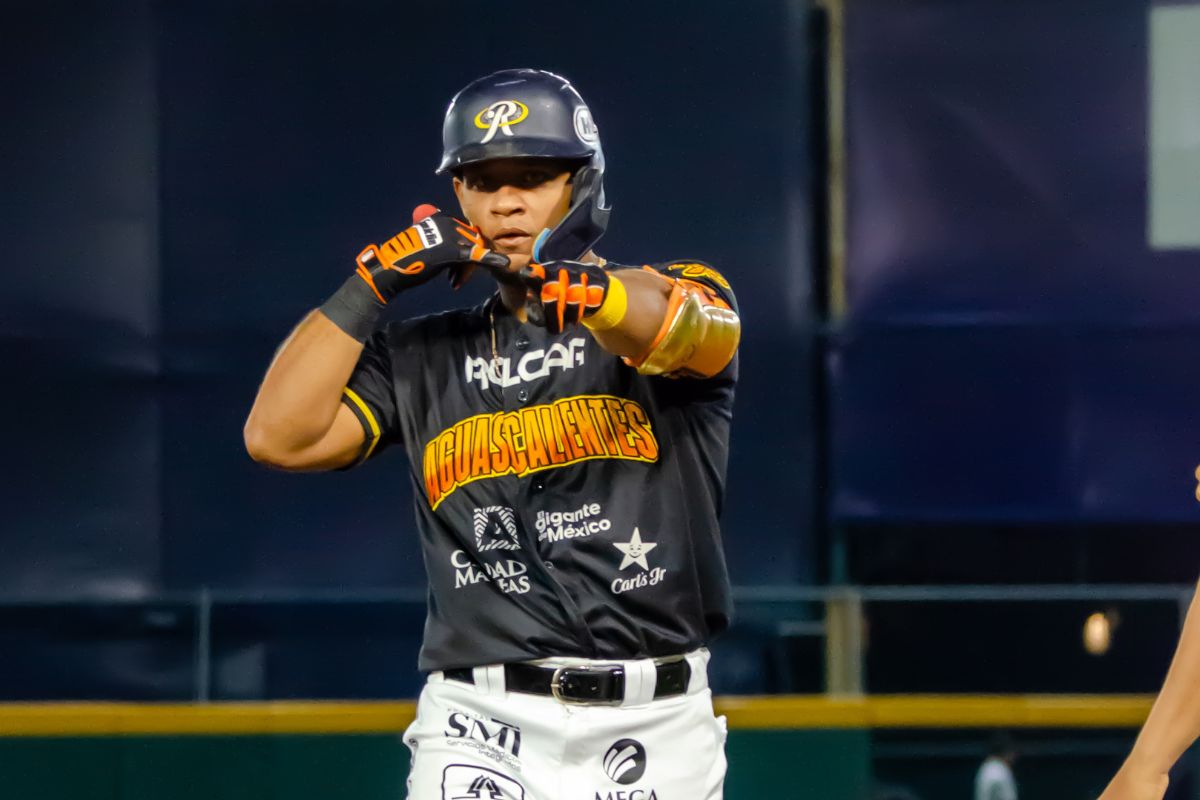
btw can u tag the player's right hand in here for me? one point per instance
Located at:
(562, 293)
(435, 242)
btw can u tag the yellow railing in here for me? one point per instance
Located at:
(773, 712)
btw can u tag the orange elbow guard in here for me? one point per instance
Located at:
(698, 337)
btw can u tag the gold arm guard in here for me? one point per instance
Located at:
(698, 337)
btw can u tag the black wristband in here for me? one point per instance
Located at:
(354, 308)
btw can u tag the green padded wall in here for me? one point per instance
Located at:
(763, 763)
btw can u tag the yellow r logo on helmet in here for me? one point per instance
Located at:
(500, 116)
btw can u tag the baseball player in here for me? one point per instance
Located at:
(567, 444)
(1172, 726)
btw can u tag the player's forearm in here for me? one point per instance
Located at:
(302, 391)
(646, 298)
(1174, 721)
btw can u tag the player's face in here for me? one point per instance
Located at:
(511, 200)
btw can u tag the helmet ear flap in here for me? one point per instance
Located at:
(584, 222)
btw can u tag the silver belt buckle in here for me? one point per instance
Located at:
(556, 689)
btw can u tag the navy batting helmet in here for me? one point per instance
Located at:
(531, 113)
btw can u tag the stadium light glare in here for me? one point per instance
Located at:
(1097, 633)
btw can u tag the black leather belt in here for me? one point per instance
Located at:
(603, 684)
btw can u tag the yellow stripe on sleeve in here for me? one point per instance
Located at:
(370, 417)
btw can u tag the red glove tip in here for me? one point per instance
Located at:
(422, 211)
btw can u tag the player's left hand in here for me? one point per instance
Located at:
(1130, 784)
(563, 293)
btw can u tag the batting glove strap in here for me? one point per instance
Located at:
(612, 310)
(354, 308)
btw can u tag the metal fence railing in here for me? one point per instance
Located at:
(846, 625)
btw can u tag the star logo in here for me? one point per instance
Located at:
(635, 550)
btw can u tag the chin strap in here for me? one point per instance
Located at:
(537, 245)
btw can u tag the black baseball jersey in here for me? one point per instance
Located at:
(566, 505)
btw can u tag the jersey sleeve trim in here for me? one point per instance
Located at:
(701, 274)
(367, 418)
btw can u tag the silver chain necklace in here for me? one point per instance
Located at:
(492, 325)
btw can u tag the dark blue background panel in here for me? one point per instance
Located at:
(1013, 349)
(998, 163)
(1015, 424)
(124, 652)
(78, 171)
(81, 414)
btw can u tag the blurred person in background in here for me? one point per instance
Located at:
(1173, 724)
(994, 780)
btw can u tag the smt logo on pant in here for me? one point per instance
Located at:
(489, 737)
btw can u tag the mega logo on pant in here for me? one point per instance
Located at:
(625, 763)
